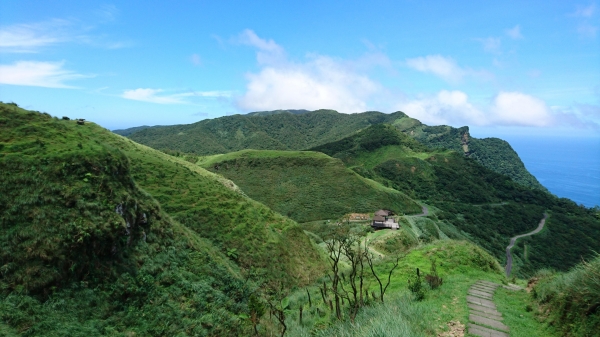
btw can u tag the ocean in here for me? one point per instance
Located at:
(568, 167)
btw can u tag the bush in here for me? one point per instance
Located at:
(415, 285)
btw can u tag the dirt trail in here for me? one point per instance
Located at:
(425, 212)
(509, 259)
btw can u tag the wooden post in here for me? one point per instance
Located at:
(309, 301)
(300, 315)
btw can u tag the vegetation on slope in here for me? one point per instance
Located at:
(300, 130)
(571, 301)
(459, 263)
(306, 186)
(259, 131)
(480, 204)
(493, 153)
(85, 251)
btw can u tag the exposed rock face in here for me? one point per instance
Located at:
(465, 142)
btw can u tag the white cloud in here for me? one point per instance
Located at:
(107, 13)
(27, 38)
(515, 108)
(158, 96)
(446, 68)
(586, 29)
(268, 51)
(454, 108)
(321, 82)
(583, 15)
(447, 107)
(38, 74)
(31, 37)
(515, 32)
(491, 44)
(443, 67)
(585, 11)
(150, 95)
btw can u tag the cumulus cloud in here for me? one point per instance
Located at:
(38, 74)
(319, 82)
(515, 108)
(515, 32)
(506, 108)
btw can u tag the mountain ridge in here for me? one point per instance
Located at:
(285, 130)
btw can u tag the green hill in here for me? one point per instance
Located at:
(306, 186)
(278, 130)
(102, 236)
(493, 153)
(473, 201)
(301, 130)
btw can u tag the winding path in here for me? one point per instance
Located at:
(424, 210)
(509, 259)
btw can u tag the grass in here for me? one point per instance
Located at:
(207, 161)
(459, 263)
(102, 236)
(571, 301)
(306, 186)
(515, 307)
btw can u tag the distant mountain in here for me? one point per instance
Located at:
(127, 132)
(301, 129)
(274, 112)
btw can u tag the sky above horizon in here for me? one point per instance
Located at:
(501, 68)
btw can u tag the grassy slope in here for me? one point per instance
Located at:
(298, 130)
(246, 229)
(493, 153)
(281, 131)
(306, 186)
(67, 247)
(460, 264)
(571, 301)
(456, 185)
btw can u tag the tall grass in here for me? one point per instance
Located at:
(572, 300)
(397, 317)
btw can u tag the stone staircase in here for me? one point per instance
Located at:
(485, 320)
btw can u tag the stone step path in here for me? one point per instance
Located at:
(485, 320)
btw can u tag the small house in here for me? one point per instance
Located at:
(382, 219)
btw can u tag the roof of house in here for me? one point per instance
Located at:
(382, 212)
(378, 218)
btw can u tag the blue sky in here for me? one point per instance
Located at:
(500, 67)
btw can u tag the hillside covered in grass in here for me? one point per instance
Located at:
(306, 186)
(102, 236)
(480, 204)
(301, 130)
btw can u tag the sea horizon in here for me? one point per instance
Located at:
(569, 167)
